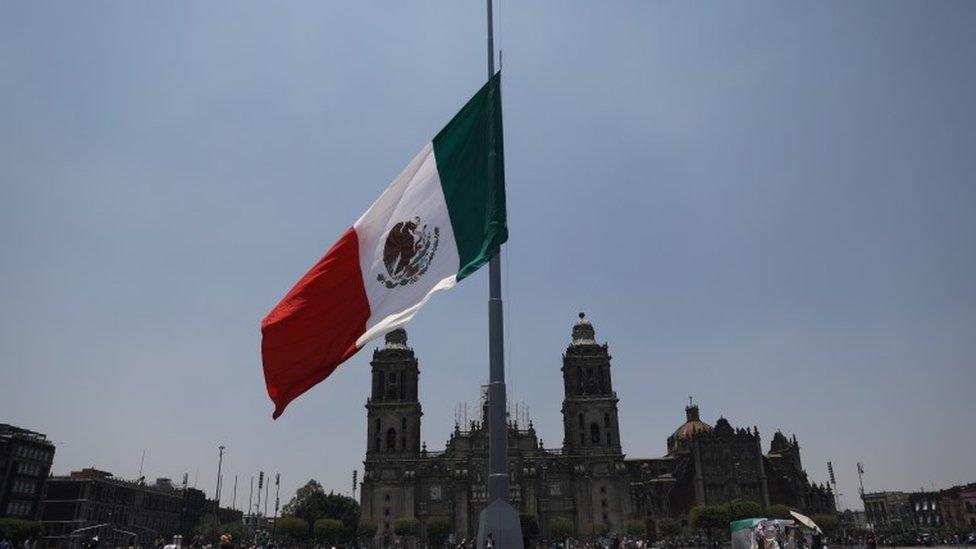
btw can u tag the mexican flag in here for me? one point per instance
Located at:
(440, 220)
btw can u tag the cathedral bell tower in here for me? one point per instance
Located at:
(590, 404)
(393, 409)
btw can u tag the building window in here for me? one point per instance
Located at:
(582, 438)
(606, 420)
(391, 439)
(386, 497)
(377, 444)
(581, 421)
(595, 433)
(386, 511)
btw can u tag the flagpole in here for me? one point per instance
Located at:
(497, 439)
(498, 519)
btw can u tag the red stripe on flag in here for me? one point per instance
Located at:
(315, 327)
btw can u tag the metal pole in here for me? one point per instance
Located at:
(234, 505)
(497, 437)
(220, 464)
(250, 499)
(498, 519)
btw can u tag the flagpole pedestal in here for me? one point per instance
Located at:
(501, 520)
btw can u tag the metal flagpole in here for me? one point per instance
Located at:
(498, 519)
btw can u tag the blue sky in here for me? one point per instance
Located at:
(768, 206)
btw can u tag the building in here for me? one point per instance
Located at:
(25, 461)
(889, 512)
(91, 502)
(967, 494)
(926, 511)
(956, 507)
(588, 480)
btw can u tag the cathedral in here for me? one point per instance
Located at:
(588, 480)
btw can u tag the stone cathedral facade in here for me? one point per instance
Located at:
(587, 480)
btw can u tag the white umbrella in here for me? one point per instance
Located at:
(805, 520)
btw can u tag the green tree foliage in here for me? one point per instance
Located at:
(530, 529)
(291, 528)
(311, 503)
(327, 530)
(600, 529)
(830, 524)
(560, 528)
(742, 509)
(406, 527)
(713, 519)
(209, 531)
(438, 528)
(17, 530)
(635, 528)
(778, 511)
(367, 529)
(668, 528)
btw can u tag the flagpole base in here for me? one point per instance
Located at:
(501, 520)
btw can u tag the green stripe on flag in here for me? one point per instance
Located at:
(471, 166)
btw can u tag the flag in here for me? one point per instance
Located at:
(440, 220)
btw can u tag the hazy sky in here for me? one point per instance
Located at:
(769, 206)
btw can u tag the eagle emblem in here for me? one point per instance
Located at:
(409, 248)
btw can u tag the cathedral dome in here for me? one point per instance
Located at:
(692, 426)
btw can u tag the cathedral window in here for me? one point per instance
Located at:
(595, 433)
(603, 381)
(582, 438)
(581, 421)
(403, 443)
(606, 420)
(391, 386)
(391, 439)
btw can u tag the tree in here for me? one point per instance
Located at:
(600, 529)
(778, 511)
(438, 527)
(327, 530)
(17, 530)
(828, 523)
(210, 530)
(406, 527)
(291, 528)
(743, 509)
(668, 528)
(311, 503)
(710, 518)
(636, 528)
(560, 528)
(367, 529)
(530, 529)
